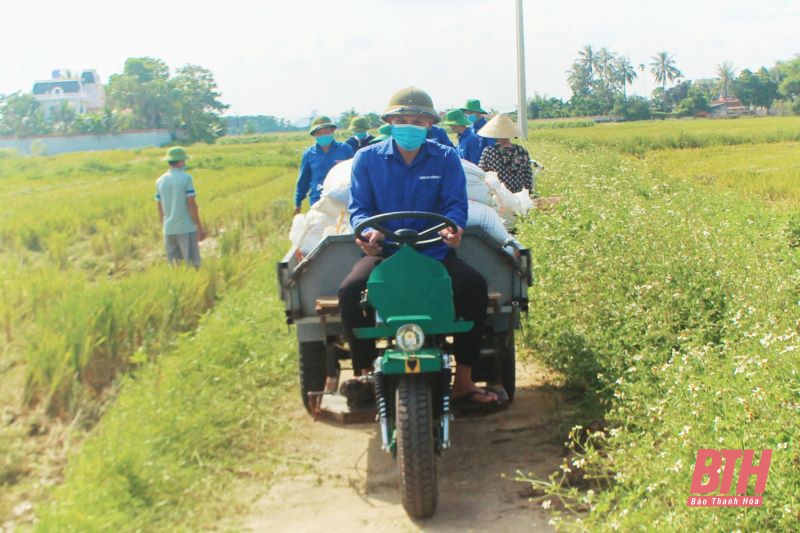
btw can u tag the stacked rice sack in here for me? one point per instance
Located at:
(492, 207)
(328, 215)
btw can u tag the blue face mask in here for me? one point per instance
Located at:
(360, 135)
(472, 118)
(324, 140)
(409, 136)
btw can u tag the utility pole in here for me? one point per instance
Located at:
(522, 97)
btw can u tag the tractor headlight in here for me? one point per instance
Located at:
(410, 337)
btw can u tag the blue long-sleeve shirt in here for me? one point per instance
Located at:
(357, 144)
(315, 166)
(439, 135)
(478, 124)
(434, 182)
(469, 146)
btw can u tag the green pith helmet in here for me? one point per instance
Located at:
(175, 154)
(411, 101)
(384, 132)
(359, 124)
(474, 106)
(456, 117)
(319, 123)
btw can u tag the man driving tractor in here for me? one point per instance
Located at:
(406, 172)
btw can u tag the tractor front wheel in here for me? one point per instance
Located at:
(416, 454)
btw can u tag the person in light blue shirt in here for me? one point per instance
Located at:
(475, 114)
(469, 145)
(318, 160)
(408, 172)
(178, 211)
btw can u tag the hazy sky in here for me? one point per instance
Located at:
(289, 57)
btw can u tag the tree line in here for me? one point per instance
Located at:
(145, 95)
(599, 80)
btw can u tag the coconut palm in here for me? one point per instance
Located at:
(579, 80)
(605, 67)
(626, 73)
(726, 74)
(663, 68)
(588, 59)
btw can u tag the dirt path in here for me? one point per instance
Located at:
(352, 485)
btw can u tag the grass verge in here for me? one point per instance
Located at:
(677, 309)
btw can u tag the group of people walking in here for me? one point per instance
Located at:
(484, 143)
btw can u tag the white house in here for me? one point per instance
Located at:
(82, 93)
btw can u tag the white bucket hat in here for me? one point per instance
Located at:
(500, 127)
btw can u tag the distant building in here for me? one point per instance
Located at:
(727, 106)
(82, 93)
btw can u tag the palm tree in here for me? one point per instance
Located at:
(626, 73)
(588, 59)
(578, 77)
(726, 74)
(605, 66)
(663, 69)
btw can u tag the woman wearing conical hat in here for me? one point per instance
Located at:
(511, 161)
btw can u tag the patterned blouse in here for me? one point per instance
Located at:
(512, 164)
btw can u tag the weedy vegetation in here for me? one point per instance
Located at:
(674, 302)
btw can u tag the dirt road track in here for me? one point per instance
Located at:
(352, 485)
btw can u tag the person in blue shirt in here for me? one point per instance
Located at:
(384, 132)
(469, 144)
(318, 160)
(439, 135)
(361, 137)
(475, 114)
(407, 172)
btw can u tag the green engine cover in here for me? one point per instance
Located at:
(410, 287)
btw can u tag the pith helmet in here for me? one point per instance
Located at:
(500, 127)
(359, 124)
(411, 101)
(474, 106)
(384, 132)
(456, 117)
(175, 154)
(319, 123)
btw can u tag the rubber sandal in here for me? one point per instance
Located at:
(467, 403)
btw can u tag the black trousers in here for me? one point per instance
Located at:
(470, 298)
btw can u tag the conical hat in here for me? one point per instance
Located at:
(500, 127)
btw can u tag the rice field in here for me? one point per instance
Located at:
(667, 289)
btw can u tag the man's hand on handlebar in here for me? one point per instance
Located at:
(373, 246)
(452, 239)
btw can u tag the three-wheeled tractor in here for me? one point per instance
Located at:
(411, 295)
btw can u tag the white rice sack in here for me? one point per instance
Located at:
(476, 184)
(337, 183)
(315, 223)
(506, 204)
(297, 230)
(471, 169)
(486, 218)
(329, 206)
(525, 201)
(311, 239)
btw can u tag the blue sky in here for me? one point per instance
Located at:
(286, 58)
